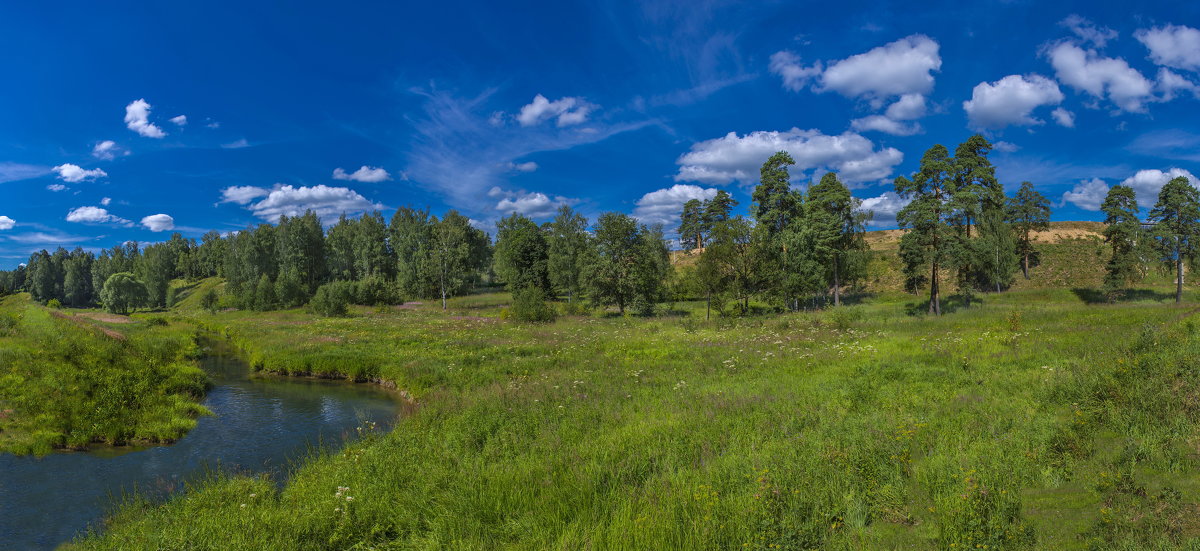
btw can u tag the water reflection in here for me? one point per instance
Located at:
(259, 426)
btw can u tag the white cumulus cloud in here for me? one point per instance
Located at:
(95, 215)
(1171, 83)
(732, 157)
(664, 205)
(326, 201)
(56, 187)
(1087, 194)
(158, 222)
(1087, 31)
(137, 118)
(1063, 117)
(1175, 46)
(7, 223)
(105, 201)
(795, 76)
(242, 194)
(180, 120)
(881, 123)
(531, 204)
(901, 69)
(1147, 183)
(894, 69)
(106, 150)
(1101, 77)
(884, 207)
(1010, 101)
(364, 174)
(568, 110)
(74, 173)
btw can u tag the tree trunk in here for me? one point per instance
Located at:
(935, 306)
(837, 288)
(707, 306)
(443, 298)
(1025, 265)
(1178, 278)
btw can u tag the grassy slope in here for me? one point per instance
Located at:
(67, 381)
(1035, 420)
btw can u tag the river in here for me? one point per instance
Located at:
(259, 425)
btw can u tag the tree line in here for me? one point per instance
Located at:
(365, 260)
(795, 248)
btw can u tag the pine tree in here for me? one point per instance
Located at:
(782, 245)
(717, 210)
(929, 243)
(1176, 233)
(1029, 211)
(838, 228)
(691, 225)
(1122, 234)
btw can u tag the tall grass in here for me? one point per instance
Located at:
(65, 384)
(1033, 421)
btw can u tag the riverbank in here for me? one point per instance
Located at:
(1035, 420)
(69, 383)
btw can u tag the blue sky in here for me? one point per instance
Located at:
(491, 107)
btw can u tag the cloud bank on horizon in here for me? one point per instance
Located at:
(639, 109)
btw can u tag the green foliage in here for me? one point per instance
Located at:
(521, 254)
(929, 244)
(691, 225)
(122, 293)
(1176, 233)
(529, 305)
(568, 251)
(264, 295)
(209, 300)
(454, 254)
(66, 385)
(1122, 233)
(854, 428)
(1029, 211)
(54, 303)
(290, 290)
(630, 265)
(332, 299)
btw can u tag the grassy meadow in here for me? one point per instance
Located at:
(69, 380)
(1032, 421)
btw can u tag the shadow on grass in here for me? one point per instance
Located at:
(1097, 296)
(950, 304)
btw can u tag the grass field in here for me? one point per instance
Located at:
(1034, 421)
(68, 380)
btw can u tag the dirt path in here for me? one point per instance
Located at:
(83, 322)
(104, 317)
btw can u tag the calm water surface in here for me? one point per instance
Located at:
(260, 425)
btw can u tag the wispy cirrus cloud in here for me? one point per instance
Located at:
(462, 150)
(15, 172)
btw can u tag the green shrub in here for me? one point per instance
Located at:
(375, 290)
(529, 305)
(122, 292)
(575, 308)
(264, 295)
(332, 299)
(209, 300)
(289, 290)
(54, 303)
(172, 296)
